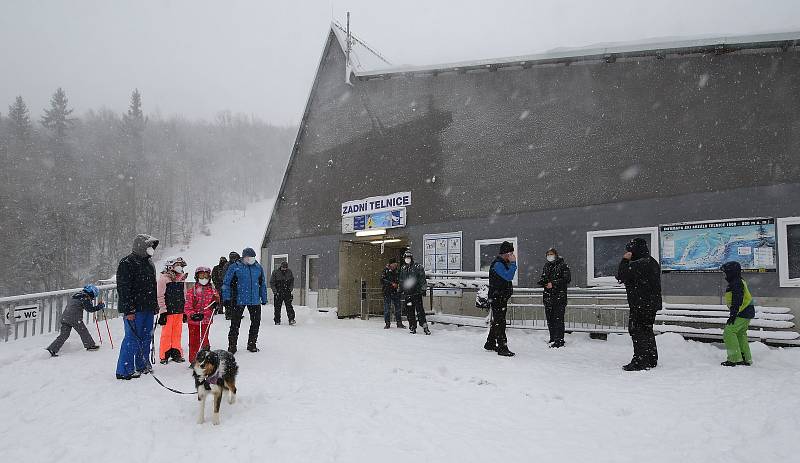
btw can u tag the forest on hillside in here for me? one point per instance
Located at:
(76, 190)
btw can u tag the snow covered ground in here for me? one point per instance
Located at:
(231, 230)
(348, 391)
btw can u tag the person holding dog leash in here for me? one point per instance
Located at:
(201, 302)
(136, 289)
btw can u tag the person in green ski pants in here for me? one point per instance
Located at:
(740, 302)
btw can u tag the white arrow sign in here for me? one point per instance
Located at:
(21, 314)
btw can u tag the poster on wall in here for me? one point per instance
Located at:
(705, 246)
(442, 254)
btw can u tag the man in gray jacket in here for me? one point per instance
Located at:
(73, 318)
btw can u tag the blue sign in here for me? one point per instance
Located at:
(376, 221)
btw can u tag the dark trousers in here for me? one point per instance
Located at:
(283, 299)
(415, 311)
(390, 300)
(236, 321)
(555, 320)
(640, 327)
(497, 330)
(66, 329)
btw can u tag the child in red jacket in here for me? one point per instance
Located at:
(201, 300)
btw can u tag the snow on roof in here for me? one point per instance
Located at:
(641, 46)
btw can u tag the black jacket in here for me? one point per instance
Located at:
(500, 290)
(281, 282)
(557, 273)
(388, 278)
(218, 274)
(641, 275)
(234, 284)
(136, 279)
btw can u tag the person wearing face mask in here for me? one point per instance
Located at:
(641, 274)
(413, 284)
(501, 275)
(251, 292)
(138, 303)
(171, 303)
(282, 281)
(201, 299)
(555, 280)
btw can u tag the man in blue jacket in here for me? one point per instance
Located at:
(501, 275)
(251, 292)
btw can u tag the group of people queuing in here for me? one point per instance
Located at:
(404, 286)
(641, 275)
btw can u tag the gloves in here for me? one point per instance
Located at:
(162, 319)
(197, 317)
(731, 319)
(101, 305)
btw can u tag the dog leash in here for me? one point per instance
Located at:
(133, 331)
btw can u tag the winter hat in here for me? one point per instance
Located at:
(91, 290)
(248, 252)
(233, 256)
(638, 247)
(552, 251)
(408, 253)
(732, 270)
(284, 265)
(506, 247)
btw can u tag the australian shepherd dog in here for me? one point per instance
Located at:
(214, 372)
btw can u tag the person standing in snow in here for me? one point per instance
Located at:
(136, 289)
(171, 303)
(232, 258)
(201, 299)
(282, 281)
(73, 318)
(251, 291)
(413, 284)
(740, 303)
(390, 281)
(641, 274)
(555, 280)
(501, 287)
(217, 275)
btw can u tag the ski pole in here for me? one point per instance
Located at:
(108, 329)
(97, 325)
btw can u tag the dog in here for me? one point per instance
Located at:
(214, 372)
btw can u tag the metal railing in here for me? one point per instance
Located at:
(51, 306)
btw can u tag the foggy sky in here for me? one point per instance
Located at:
(194, 58)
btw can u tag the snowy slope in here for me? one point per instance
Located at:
(330, 390)
(232, 230)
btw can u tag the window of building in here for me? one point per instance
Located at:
(277, 259)
(605, 248)
(487, 250)
(788, 229)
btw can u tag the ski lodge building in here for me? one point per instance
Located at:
(693, 145)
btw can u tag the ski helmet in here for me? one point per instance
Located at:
(91, 290)
(202, 269)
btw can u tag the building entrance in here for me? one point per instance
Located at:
(360, 264)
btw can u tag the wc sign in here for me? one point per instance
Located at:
(22, 313)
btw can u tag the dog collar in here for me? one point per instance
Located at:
(213, 379)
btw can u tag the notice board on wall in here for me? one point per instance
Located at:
(705, 246)
(442, 254)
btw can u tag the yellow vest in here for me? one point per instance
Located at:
(746, 300)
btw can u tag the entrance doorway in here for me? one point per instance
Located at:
(312, 281)
(361, 262)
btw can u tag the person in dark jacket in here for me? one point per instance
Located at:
(641, 274)
(282, 281)
(555, 279)
(217, 275)
(136, 289)
(740, 303)
(413, 284)
(390, 281)
(233, 257)
(73, 318)
(247, 276)
(501, 287)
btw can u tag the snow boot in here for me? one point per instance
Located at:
(277, 322)
(728, 363)
(94, 347)
(503, 351)
(52, 353)
(388, 325)
(412, 330)
(252, 348)
(635, 367)
(164, 361)
(124, 377)
(745, 363)
(400, 325)
(556, 344)
(490, 346)
(426, 330)
(232, 344)
(292, 322)
(136, 374)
